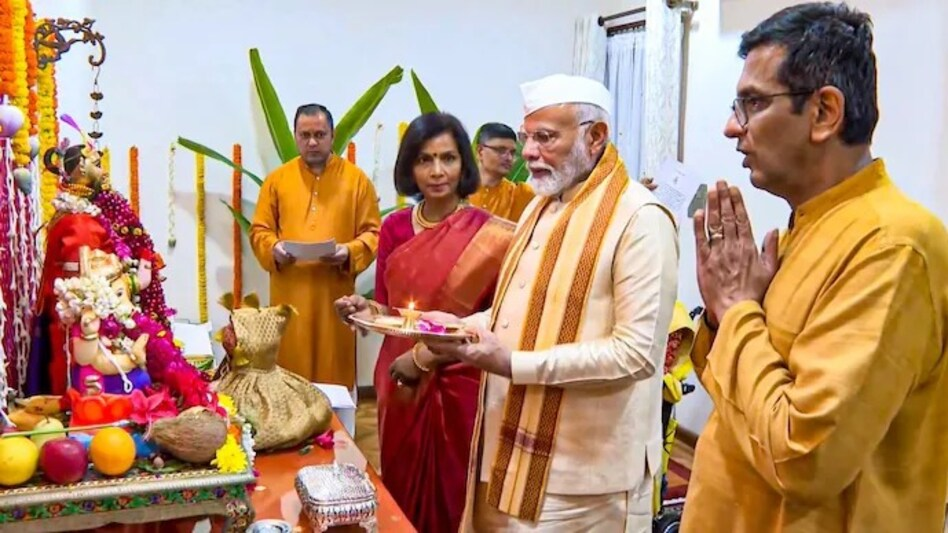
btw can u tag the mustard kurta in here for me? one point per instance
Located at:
(506, 199)
(830, 400)
(296, 205)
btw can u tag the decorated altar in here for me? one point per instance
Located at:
(105, 418)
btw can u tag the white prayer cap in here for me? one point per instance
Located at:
(562, 89)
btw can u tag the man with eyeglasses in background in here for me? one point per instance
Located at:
(496, 151)
(316, 197)
(825, 353)
(568, 433)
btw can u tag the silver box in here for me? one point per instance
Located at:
(337, 495)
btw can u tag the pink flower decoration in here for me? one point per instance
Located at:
(326, 441)
(148, 409)
(430, 327)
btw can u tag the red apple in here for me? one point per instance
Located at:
(64, 460)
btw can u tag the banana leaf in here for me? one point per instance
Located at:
(279, 127)
(425, 102)
(519, 173)
(241, 219)
(362, 110)
(208, 152)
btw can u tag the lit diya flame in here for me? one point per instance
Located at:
(411, 315)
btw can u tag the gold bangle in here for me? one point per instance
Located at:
(90, 337)
(414, 358)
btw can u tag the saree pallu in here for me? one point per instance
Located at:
(425, 431)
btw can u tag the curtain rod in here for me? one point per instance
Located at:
(624, 28)
(621, 14)
(687, 5)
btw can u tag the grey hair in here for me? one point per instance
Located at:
(592, 113)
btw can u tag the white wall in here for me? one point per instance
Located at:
(912, 134)
(180, 67)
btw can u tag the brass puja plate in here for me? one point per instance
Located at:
(395, 326)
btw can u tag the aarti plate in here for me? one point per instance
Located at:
(393, 327)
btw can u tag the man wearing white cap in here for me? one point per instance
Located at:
(568, 433)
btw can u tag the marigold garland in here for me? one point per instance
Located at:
(106, 163)
(48, 134)
(401, 201)
(7, 70)
(32, 68)
(133, 180)
(201, 230)
(236, 197)
(351, 152)
(21, 91)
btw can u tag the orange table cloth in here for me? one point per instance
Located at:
(276, 495)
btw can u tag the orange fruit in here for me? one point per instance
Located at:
(112, 451)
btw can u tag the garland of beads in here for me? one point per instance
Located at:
(7, 74)
(7, 283)
(236, 198)
(201, 232)
(172, 240)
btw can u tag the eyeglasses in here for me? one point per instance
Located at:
(745, 107)
(501, 151)
(545, 138)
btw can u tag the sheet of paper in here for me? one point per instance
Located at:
(310, 251)
(196, 338)
(676, 188)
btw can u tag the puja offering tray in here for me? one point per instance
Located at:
(337, 495)
(410, 327)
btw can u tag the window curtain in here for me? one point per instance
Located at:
(589, 48)
(625, 78)
(663, 36)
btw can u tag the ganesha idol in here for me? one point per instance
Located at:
(106, 353)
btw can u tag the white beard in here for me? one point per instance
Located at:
(579, 163)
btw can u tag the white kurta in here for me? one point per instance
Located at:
(609, 437)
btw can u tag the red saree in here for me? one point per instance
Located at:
(425, 432)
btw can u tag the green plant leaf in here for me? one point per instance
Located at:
(241, 219)
(208, 152)
(279, 127)
(425, 102)
(519, 172)
(360, 112)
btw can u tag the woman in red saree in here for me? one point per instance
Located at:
(439, 254)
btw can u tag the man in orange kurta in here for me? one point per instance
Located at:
(496, 150)
(313, 198)
(825, 354)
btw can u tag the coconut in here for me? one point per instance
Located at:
(193, 436)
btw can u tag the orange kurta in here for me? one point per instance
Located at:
(506, 199)
(296, 205)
